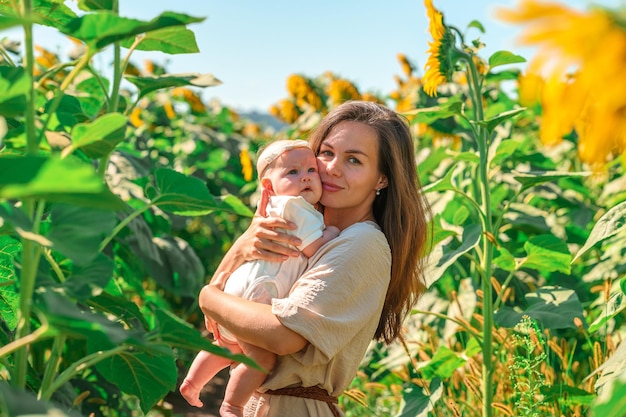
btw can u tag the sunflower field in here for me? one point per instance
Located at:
(120, 193)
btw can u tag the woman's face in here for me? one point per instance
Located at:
(348, 167)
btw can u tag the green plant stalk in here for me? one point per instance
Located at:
(30, 257)
(117, 69)
(53, 363)
(487, 255)
(80, 366)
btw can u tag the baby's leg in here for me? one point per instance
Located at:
(245, 380)
(203, 368)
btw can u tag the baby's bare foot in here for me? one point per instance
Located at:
(190, 393)
(229, 410)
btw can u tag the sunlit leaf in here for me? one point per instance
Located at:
(148, 84)
(547, 253)
(503, 58)
(493, 122)
(188, 196)
(611, 223)
(430, 114)
(88, 5)
(99, 138)
(56, 180)
(149, 373)
(420, 401)
(443, 364)
(553, 307)
(171, 40)
(103, 27)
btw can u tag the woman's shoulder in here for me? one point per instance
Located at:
(364, 234)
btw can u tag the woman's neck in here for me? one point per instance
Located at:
(343, 219)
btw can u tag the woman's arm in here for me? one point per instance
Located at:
(250, 322)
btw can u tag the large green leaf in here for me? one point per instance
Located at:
(53, 179)
(418, 401)
(553, 307)
(9, 297)
(188, 196)
(77, 232)
(495, 121)
(611, 223)
(65, 317)
(170, 40)
(14, 87)
(179, 334)
(52, 13)
(547, 253)
(149, 374)
(156, 82)
(89, 279)
(99, 138)
(102, 28)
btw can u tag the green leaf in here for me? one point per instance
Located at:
(9, 295)
(429, 115)
(89, 279)
(171, 40)
(611, 400)
(102, 28)
(156, 82)
(615, 305)
(14, 87)
(89, 5)
(442, 256)
(547, 253)
(123, 308)
(504, 259)
(476, 24)
(7, 22)
(91, 95)
(531, 178)
(493, 122)
(553, 307)
(504, 58)
(64, 180)
(505, 149)
(443, 364)
(419, 401)
(611, 223)
(188, 196)
(148, 374)
(179, 334)
(77, 232)
(99, 138)
(444, 183)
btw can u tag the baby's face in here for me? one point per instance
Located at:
(294, 173)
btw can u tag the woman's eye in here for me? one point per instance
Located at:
(353, 160)
(326, 153)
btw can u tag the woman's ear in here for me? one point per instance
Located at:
(382, 182)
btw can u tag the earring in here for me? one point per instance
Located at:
(378, 191)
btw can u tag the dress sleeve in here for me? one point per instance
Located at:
(338, 295)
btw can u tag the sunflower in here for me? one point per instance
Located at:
(439, 64)
(582, 56)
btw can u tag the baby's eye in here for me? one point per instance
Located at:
(292, 172)
(312, 169)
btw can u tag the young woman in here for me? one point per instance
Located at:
(358, 287)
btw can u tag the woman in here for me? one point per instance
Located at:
(358, 287)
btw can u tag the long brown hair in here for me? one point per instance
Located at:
(401, 210)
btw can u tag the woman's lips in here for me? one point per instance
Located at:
(327, 186)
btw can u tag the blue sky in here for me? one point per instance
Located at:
(252, 46)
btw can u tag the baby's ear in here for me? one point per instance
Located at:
(267, 184)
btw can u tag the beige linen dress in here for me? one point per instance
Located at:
(336, 305)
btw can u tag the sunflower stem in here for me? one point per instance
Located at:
(482, 183)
